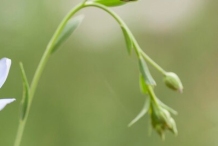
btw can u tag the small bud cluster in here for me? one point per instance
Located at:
(161, 120)
(160, 116)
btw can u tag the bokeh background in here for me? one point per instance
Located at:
(89, 90)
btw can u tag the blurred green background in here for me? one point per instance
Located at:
(89, 90)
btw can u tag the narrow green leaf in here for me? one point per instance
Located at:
(110, 3)
(142, 112)
(129, 43)
(70, 27)
(25, 98)
(143, 86)
(145, 72)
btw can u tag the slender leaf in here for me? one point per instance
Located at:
(145, 72)
(25, 98)
(70, 27)
(142, 112)
(129, 43)
(143, 86)
(110, 3)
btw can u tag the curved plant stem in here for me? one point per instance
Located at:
(49, 48)
(39, 70)
(137, 48)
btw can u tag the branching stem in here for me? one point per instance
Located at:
(49, 48)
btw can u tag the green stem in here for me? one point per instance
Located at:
(137, 48)
(154, 64)
(49, 48)
(39, 70)
(152, 95)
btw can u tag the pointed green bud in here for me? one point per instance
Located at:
(173, 126)
(112, 3)
(161, 120)
(173, 81)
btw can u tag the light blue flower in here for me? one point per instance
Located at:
(4, 102)
(5, 65)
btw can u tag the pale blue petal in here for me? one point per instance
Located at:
(4, 102)
(5, 65)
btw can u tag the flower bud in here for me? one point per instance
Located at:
(161, 120)
(111, 3)
(173, 81)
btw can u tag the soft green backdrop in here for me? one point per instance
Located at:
(89, 90)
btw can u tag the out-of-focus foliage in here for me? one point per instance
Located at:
(89, 90)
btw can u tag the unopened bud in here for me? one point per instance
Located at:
(173, 81)
(161, 120)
